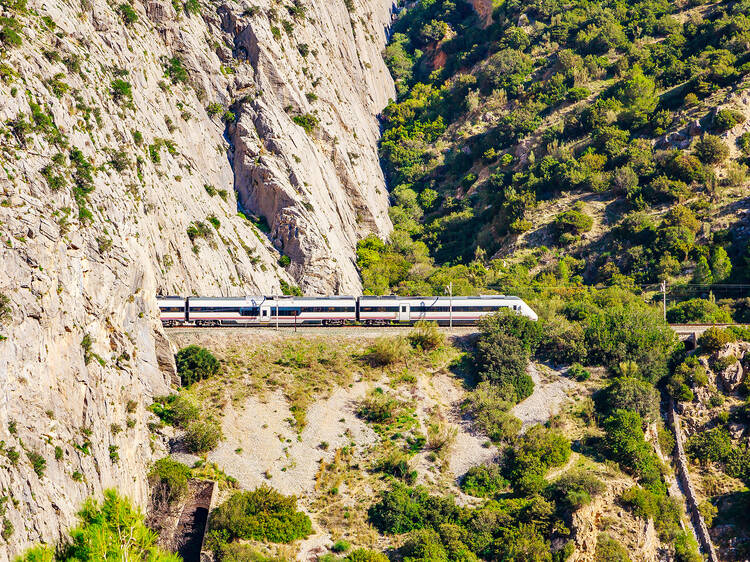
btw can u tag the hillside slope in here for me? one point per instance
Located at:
(565, 142)
(117, 184)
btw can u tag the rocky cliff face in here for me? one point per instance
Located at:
(305, 143)
(117, 182)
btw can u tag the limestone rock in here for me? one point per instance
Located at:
(83, 353)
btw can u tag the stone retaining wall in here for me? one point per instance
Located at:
(704, 538)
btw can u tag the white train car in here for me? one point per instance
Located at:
(326, 311)
(443, 310)
(223, 311)
(171, 310)
(260, 310)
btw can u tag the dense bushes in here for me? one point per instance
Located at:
(714, 339)
(502, 353)
(578, 487)
(195, 363)
(625, 443)
(715, 445)
(630, 394)
(483, 481)
(402, 509)
(261, 514)
(697, 310)
(99, 536)
(531, 455)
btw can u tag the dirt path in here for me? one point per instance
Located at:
(550, 392)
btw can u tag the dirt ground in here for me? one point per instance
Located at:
(327, 463)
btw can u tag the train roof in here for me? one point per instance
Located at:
(455, 297)
(261, 298)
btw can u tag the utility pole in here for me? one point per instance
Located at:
(664, 298)
(276, 298)
(449, 290)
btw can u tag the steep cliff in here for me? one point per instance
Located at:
(119, 127)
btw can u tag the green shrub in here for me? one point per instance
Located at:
(192, 7)
(363, 554)
(10, 35)
(424, 544)
(579, 372)
(378, 407)
(38, 462)
(713, 445)
(402, 509)
(127, 13)
(573, 222)
(726, 119)
(168, 480)
(625, 443)
(609, 550)
(501, 359)
(262, 514)
(396, 463)
(284, 261)
(340, 546)
(175, 71)
(490, 410)
(426, 336)
(202, 436)
(307, 121)
(529, 332)
(387, 351)
(578, 487)
(121, 90)
(195, 363)
(697, 310)
(99, 535)
(483, 481)
(175, 409)
(628, 393)
(711, 150)
(529, 457)
(714, 339)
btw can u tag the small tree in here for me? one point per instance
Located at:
(202, 436)
(714, 339)
(502, 359)
(711, 150)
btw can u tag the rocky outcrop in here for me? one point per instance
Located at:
(117, 184)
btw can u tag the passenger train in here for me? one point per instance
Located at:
(333, 311)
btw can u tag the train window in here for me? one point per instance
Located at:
(172, 308)
(378, 308)
(252, 311)
(214, 309)
(328, 309)
(288, 311)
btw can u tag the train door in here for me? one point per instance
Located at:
(403, 312)
(265, 313)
